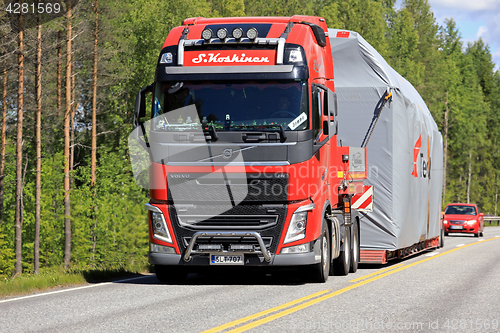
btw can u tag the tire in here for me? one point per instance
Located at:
(445, 233)
(476, 235)
(171, 274)
(355, 253)
(441, 238)
(321, 270)
(342, 264)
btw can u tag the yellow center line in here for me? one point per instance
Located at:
(377, 272)
(263, 313)
(288, 310)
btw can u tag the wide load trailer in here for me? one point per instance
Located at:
(382, 111)
(239, 150)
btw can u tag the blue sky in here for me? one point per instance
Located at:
(475, 19)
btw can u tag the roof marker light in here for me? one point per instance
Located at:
(206, 34)
(237, 33)
(166, 58)
(222, 33)
(295, 56)
(252, 33)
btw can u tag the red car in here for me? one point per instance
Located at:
(463, 218)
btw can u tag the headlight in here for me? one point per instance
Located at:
(206, 34)
(252, 33)
(237, 33)
(297, 227)
(222, 33)
(158, 224)
(471, 222)
(445, 221)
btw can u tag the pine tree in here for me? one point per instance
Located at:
(67, 118)
(4, 140)
(38, 148)
(19, 154)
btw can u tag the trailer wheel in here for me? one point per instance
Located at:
(342, 264)
(170, 274)
(355, 249)
(321, 270)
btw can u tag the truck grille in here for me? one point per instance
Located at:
(268, 220)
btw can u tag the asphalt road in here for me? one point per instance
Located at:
(453, 289)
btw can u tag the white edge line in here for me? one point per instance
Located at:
(459, 245)
(71, 289)
(432, 254)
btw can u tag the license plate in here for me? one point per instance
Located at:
(456, 227)
(216, 259)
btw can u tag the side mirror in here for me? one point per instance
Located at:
(331, 104)
(139, 113)
(140, 105)
(330, 110)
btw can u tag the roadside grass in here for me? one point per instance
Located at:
(491, 223)
(53, 278)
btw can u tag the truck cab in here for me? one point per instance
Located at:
(244, 166)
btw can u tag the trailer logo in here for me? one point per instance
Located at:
(357, 160)
(425, 165)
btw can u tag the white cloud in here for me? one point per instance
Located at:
(472, 5)
(481, 32)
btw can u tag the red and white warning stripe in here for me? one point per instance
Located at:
(363, 201)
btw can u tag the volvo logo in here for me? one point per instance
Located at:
(180, 176)
(227, 153)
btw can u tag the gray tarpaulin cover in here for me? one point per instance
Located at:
(405, 149)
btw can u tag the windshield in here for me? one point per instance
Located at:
(252, 105)
(460, 210)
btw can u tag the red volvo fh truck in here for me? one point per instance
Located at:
(242, 159)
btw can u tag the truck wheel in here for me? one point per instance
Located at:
(321, 270)
(355, 249)
(342, 264)
(441, 238)
(170, 274)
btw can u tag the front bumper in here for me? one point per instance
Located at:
(465, 229)
(296, 259)
(250, 259)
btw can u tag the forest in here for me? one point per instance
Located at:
(68, 83)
